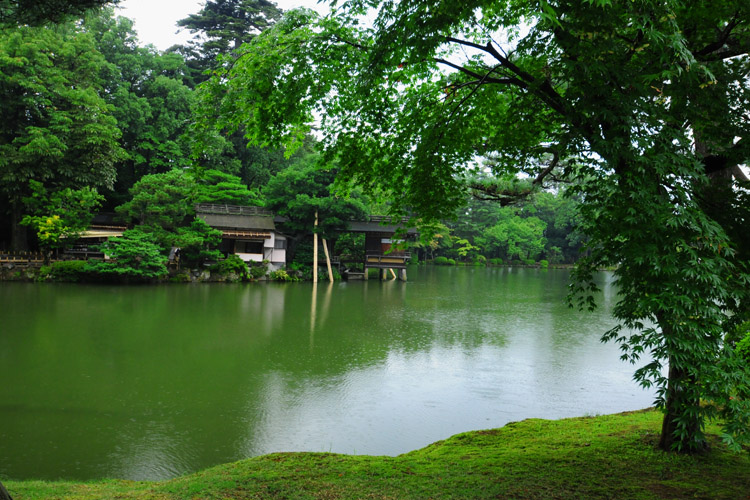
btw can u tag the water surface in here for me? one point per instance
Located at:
(151, 382)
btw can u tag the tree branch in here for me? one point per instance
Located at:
(543, 90)
(722, 39)
(479, 77)
(544, 173)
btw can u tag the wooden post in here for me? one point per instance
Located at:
(313, 313)
(328, 260)
(315, 250)
(392, 273)
(402, 274)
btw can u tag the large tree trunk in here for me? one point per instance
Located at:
(682, 424)
(4, 495)
(685, 438)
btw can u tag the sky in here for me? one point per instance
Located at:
(156, 20)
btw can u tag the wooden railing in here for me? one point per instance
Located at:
(21, 257)
(214, 208)
(388, 220)
(395, 260)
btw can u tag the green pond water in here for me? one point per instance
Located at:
(152, 382)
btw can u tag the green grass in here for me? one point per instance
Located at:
(603, 457)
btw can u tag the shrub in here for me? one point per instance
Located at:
(440, 261)
(451, 262)
(135, 255)
(497, 261)
(743, 348)
(259, 270)
(232, 264)
(543, 264)
(282, 275)
(529, 262)
(298, 271)
(68, 270)
(180, 278)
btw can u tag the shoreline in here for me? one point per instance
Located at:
(607, 456)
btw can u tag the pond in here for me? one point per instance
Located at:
(152, 382)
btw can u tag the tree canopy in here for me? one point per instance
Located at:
(55, 128)
(643, 105)
(39, 12)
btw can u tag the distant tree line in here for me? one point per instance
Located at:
(95, 122)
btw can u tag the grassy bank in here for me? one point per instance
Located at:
(613, 457)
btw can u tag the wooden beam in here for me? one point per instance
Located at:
(328, 260)
(315, 249)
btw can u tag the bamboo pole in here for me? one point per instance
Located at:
(392, 272)
(315, 250)
(313, 314)
(328, 260)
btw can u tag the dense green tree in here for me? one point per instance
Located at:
(213, 186)
(151, 102)
(645, 99)
(160, 203)
(59, 218)
(221, 27)
(134, 256)
(562, 217)
(55, 127)
(38, 12)
(198, 243)
(514, 237)
(305, 189)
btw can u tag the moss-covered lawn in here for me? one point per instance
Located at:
(612, 456)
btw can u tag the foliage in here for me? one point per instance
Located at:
(516, 237)
(163, 205)
(38, 12)
(64, 270)
(133, 256)
(160, 204)
(544, 264)
(213, 186)
(259, 269)
(196, 241)
(496, 261)
(640, 104)
(466, 250)
(281, 275)
(60, 217)
(299, 270)
(743, 348)
(232, 264)
(306, 188)
(151, 102)
(440, 261)
(221, 26)
(55, 127)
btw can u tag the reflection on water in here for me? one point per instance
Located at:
(154, 382)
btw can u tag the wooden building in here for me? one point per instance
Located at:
(381, 245)
(249, 232)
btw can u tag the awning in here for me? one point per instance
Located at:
(102, 233)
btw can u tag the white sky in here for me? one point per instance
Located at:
(156, 20)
